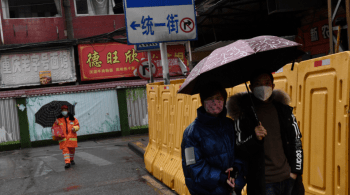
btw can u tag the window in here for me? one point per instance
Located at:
(119, 7)
(82, 7)
(98, 7)
(31, 8)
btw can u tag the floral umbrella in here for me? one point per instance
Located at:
(233, 64)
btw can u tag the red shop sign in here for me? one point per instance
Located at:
(107, 61)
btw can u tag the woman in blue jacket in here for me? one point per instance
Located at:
(207, 147)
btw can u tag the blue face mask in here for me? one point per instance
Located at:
(64, 113)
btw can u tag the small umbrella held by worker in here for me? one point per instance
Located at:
(48, 113)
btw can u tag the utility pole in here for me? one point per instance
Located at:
(347, 2)
(164, 56)
(188, 46)
(330, 27)
(68, 16)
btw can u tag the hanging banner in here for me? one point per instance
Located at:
(97, 112)
(174, 67)
(9, 122)
(107, 61)
(174, 52)
(23, 69)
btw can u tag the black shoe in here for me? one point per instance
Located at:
(67, 165)
(72, 162)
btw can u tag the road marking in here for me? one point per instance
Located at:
(158, 186)
(42, 170)
(93, 159)
(5, 167)
(53, 163)
(37, 172)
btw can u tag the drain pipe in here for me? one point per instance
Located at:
(1, 31)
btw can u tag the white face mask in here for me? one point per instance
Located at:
(64, 113)
(263, 92)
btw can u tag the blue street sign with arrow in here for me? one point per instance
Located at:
(133, 25)
(160, 21)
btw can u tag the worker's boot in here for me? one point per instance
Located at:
(67, 165)
(72, 162)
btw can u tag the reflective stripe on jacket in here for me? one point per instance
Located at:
(67, 125)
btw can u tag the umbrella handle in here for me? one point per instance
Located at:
(253, 107)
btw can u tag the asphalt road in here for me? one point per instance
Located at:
(102, 167)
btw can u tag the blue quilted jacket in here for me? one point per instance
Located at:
(213, 142)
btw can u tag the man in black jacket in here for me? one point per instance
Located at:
(272, 146)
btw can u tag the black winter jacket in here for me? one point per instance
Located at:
(251, 149)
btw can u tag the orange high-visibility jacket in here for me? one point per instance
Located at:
(70, 139)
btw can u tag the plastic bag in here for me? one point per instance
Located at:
(57, 132)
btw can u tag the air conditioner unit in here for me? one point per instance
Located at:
(275, 6)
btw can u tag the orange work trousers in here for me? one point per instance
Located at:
(68, 154)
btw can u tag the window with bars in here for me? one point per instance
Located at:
(31, 8)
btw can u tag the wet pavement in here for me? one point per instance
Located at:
(106, 166)
(139, 145)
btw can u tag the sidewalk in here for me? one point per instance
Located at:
(103, 166)
(139, 145)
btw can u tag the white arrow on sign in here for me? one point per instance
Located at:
(143, 69)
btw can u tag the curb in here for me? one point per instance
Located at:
(137, 149)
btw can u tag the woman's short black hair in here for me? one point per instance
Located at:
(210, 89)
(256, 74)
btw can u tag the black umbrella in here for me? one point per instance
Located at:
(48, 113)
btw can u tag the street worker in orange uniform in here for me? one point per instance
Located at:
(69, 125)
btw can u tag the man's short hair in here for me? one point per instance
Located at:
(210, 89)
(256, 74)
